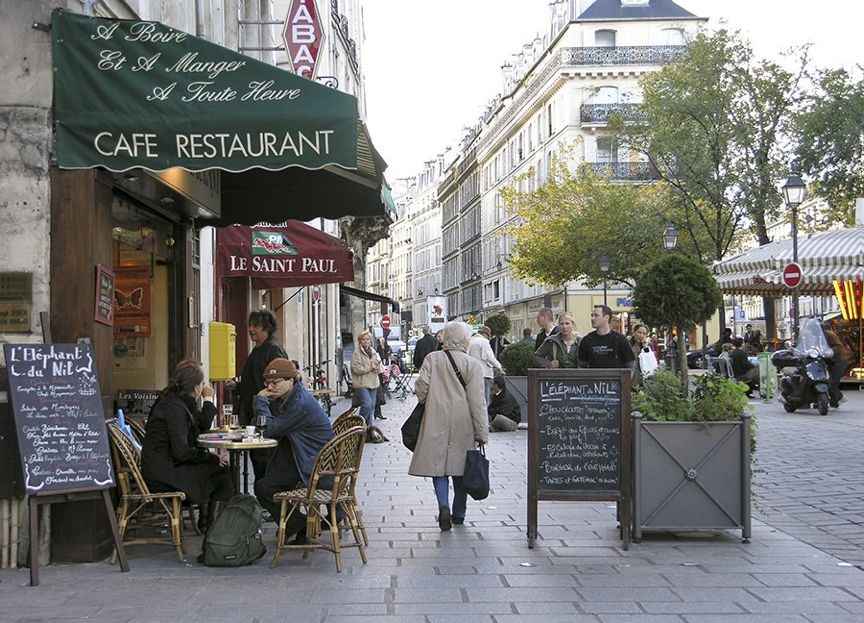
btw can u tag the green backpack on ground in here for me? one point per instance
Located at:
(234, 539)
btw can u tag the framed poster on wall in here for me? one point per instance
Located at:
(132, 302)
(104, 304)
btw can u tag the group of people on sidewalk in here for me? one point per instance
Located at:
(271, 390)
(462, 388)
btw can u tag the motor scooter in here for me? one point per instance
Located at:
(805, 371)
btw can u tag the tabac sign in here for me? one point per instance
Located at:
(304, 37)
(131, 93)
(288, 255)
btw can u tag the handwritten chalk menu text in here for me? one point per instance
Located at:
(58, 417)
(579, 434)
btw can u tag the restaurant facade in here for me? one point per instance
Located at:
(130, 142)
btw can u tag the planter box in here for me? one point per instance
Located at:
(518, 388)
(691, 476)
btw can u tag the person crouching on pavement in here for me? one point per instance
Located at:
(504, 411)
(302, 428)
(454, 419)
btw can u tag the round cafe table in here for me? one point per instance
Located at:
(238, 452)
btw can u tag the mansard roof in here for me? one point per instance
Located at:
(612, 10)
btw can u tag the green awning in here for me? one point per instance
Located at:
(138, 94)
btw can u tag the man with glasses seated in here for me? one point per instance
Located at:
(295, 418)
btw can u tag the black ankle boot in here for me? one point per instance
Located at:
(444, 518)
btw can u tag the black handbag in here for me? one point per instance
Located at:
(411, 427)
(475, 480)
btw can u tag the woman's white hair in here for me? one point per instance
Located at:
(455, 335)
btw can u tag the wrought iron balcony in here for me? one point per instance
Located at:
(625, 171)
(600, 113)
(624, 55)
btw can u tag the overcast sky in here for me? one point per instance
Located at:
(431, 66)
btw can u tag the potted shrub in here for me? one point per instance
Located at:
(691, 455)
(516, 359)
(691, 448)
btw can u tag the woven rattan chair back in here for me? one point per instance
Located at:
(347, 422)
(138, 430)
(136, 499)
(348, 413)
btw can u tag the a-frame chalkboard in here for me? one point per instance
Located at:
(579, 445)
(60, 426)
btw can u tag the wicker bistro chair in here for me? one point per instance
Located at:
(347, 422)
(335, 471)
(136, 498)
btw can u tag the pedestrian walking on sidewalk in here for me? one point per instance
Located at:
(454, 419)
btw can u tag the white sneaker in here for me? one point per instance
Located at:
(842, 400)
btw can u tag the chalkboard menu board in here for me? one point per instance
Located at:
(579, 434)
(58, 417)
(578, 438)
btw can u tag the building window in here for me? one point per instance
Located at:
(606, 95)
(604, 38)
(607, 150)
(672, 36)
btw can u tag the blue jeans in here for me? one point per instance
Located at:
(442, 492)
(367, 402)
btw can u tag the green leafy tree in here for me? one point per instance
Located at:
(713, 128)
(499, 324)
(676, 291)
(517, 358)
(830, 137)
(564, 226)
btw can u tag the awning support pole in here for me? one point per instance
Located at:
(299, 290)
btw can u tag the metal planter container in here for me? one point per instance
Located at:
(691, 476)
(518, 388)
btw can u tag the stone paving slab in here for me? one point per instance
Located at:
(809, 504)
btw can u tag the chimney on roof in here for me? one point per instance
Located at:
(859, 212)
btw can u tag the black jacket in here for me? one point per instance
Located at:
(424, 346)
(506, 405)
(542, 335)
(252, 380)
(171, 459)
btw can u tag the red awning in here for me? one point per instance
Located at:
(287, 255)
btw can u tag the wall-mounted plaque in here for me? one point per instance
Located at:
(104, 305)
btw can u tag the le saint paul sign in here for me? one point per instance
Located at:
(135, 93)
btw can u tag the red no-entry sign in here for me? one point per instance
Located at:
(385, 322)
(792, 275)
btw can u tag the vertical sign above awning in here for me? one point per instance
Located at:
(304, 38)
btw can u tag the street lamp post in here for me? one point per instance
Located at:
(605, 265)
(670, 238)
(794, 193)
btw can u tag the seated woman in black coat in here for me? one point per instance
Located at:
(171, 459)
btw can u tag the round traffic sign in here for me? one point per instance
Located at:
(385, 322)
(792, 275)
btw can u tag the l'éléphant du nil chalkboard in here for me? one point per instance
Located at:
(579, 435)
(59, 421)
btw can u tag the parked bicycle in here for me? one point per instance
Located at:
(316, 380)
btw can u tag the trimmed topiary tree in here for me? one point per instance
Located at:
(499, 324)
(676, 291)
(517, 358)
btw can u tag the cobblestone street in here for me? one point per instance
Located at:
(809, 493)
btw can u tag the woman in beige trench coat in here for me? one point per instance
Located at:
(454, 419)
